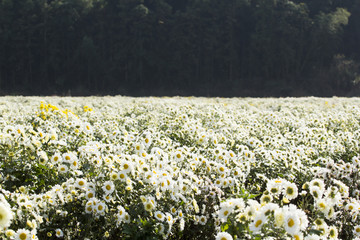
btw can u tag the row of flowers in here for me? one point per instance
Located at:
(179, 168)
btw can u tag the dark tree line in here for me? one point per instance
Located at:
(201, 47)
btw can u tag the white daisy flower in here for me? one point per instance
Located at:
(56, 158)
(22, 234)
(59, 233)
(333, 232)
(81, 183)
(202, 219)
(224, 213)
(100, 208)
(63, 168)
(259, 220)
(223, 236)
(108, 187)
(6, 215)
(291, 222)
(290, 190)
(159, 216)
(356, 231)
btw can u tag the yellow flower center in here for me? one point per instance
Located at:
(258, 223)
(23, 236)
(291, 222)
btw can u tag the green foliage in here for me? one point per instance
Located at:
(197, 47)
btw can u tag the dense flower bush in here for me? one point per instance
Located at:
(179, 168)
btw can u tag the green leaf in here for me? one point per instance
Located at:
(224, 227)
(253, 196)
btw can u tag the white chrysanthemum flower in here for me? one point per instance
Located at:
(56, 158)
(202, 220)
(291, 222)
(114, 176)
(343, 189)
(69, 157)
(330, 213)
(304, 222)
(122, 176)
(6, 215)
(333, 232)
(312, 237)
(259, 220)
(238, 203)
(178, 155)
(63, 168)
(169, 219)
(319, 222)
(318, 183)
(224, 213)
(139, 147)
(81, 183)
(74, 164)
(322, 205)
(290, 190)
(274, 186)
(108, 187)
(127, 166)
(149, 206)
(269, 208)
(100, 208)
(59, 233)
(161, 228)
(356, 231)
(22, 234)
(182, 224)
(121, 212)
(316, 192)
(10, 233)
(265, 199)
(159, 216)
(90, 194)
(223, 236)
(298, 236)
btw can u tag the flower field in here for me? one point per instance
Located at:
(179, 168)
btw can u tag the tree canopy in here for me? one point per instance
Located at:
(188, 47)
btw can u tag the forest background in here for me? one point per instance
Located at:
(180, 47)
